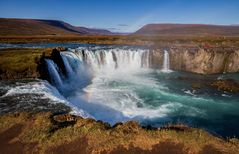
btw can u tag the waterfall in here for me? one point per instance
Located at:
(54, 75)
(90, 69)
(111, 59)
(166, 65)
(69, 70)
(83, 64)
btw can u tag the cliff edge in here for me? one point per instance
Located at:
(198, 60)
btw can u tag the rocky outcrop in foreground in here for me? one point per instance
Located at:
(198, 60)
(48, 133)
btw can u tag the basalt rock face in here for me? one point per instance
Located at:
(55, 56)
(198, 60)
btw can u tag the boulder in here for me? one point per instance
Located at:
(228, 85)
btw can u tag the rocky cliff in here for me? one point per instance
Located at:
(198, 60)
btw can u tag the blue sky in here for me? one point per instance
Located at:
(124, 15)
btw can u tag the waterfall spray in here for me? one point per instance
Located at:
(83, 64)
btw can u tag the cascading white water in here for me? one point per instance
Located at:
(84, 63)
(89, 70)
(54, 75)
(67, 65)
(166, 65)
(110, 60)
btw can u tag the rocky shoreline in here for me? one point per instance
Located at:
(72, 134)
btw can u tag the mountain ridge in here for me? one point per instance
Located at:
(29, 27)
(188, 29)
(45, 27)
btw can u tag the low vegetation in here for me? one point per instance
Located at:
(20, 63)
(46, 133)
(141, 40)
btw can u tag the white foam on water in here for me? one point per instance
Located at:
(189, 92)
(123, 98)
(225, 95)
(43, 88)
(96, 110)
(46, 91)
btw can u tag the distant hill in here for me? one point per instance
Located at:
(38, 27)
(30, 27)
(188, 29)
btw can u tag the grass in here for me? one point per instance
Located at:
(156, 40)
(99, 137)
(18, 63)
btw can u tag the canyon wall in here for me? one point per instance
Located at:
(198, 60)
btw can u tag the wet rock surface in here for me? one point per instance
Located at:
(226, 85)
(30, 103)
(223, 85)
(26, 95)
